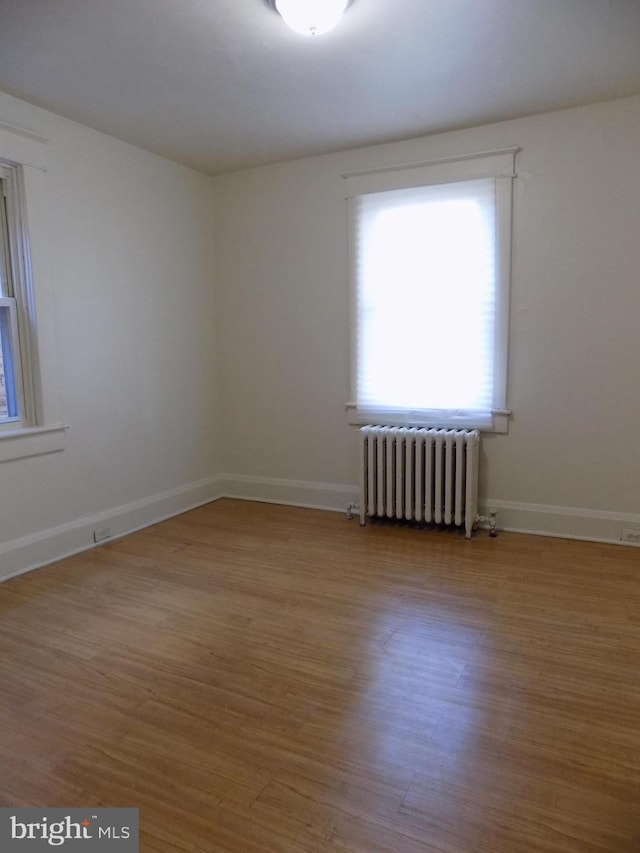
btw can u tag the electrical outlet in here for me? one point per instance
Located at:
(631, 536)
(101, 533)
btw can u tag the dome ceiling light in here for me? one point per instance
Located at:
(311, 17)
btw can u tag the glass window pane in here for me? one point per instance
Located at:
(3, 393)
(8, 401)
(426, 296)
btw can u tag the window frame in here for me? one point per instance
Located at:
(498, 165)
(39, 429)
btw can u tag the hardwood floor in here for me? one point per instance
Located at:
(258, 678)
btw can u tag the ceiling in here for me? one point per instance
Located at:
(223, 84)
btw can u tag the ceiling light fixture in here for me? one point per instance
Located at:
(311, 17)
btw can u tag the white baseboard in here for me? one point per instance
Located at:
(30, 552)
(540, 519)
(304, 493)
(590, 525)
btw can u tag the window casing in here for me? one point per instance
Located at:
(430, 268)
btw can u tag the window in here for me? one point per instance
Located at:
(12, 311)
(30, 422)
(430, 254)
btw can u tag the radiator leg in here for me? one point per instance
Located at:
(491, 518)
(350, 510)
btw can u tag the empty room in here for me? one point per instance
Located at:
(319, 426)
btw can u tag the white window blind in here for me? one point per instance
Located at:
(430, 269)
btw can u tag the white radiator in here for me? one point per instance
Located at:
(426, 475)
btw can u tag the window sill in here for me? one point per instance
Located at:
(31, 441)
(500, 423)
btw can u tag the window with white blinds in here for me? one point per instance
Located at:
(11, 387)
(430, 259)
(30, 416)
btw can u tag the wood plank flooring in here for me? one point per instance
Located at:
(259, 678)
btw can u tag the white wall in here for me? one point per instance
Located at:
(571, 461)
(131, 274)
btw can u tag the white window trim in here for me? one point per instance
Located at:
(32, 441)
(42, 430)
(498, 164)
